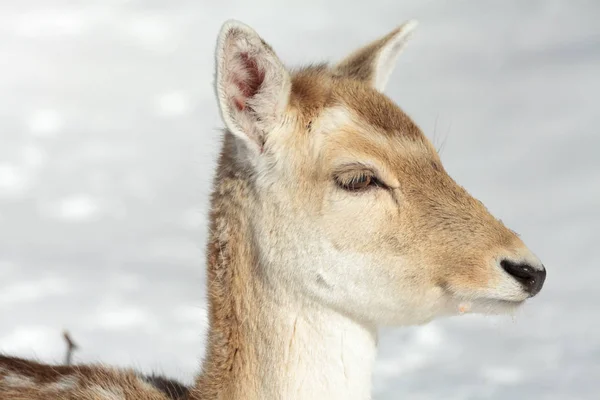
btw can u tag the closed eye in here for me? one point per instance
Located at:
(358, 181)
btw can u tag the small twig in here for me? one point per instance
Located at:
(71, 347)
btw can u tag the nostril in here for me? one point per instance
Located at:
(530, 277)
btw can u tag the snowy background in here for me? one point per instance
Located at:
(108, 138)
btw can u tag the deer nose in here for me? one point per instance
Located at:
(530, 277)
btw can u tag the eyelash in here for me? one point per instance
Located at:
(358, 182)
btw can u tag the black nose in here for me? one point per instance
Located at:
(531, 278)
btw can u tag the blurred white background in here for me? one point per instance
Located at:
(108, 138)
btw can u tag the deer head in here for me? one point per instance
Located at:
(352, 207)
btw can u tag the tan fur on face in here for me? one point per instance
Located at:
(447, 239)
(316, 88)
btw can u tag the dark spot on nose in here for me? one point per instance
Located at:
(530, 277)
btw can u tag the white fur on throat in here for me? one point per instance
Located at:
(315, 353)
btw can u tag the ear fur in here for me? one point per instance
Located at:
(252, 84)
(375, 62)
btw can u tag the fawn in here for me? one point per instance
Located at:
(331, 215)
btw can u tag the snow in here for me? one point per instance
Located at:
(109, 133)
(502, 375)
(44, 122)
(12, 180)
(172, 105)
(32, 290)
(78, 207)
(119, 316)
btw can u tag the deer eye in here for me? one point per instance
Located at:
(357, 182)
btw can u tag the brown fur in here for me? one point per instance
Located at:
(316, 88)
(228, 276)
(28, 380)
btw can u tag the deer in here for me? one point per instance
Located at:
(331, 216)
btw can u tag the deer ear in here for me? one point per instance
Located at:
(252, 85)
(374, 63)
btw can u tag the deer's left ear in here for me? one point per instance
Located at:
(375, 62)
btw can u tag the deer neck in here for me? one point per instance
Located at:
(265, 342)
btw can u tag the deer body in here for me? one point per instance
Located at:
(331, 215)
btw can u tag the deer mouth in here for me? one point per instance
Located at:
(487, 306)
(492, 306)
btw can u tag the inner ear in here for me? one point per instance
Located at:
(252, 84)
(248, 77)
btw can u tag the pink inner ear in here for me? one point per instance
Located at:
(248, 80)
